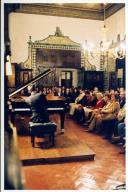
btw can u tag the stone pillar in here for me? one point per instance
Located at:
(82, 59)
(28, 62)
(106, 80)
(101, 61)
(104, 67)
(33, 60)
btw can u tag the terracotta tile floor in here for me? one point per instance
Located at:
(105, 172)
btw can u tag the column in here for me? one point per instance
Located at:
(34, 67)
(82, 59)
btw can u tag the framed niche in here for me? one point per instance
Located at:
(25, 75)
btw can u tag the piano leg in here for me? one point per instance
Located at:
(62, 117)
(51, 138)
(33, 140)
(12, 118)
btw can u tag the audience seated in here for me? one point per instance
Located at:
(92, 111)
(79, 111)
(95, 103)
(74, 94)
(110, 126)
(100, 101)
(101, 112)
(63, 90)
(122, 99)
(121, 133)
(120, 119)
(79, 101)
(108, 112)
(95, 90)
(68, 97)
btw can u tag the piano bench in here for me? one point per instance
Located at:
(41, 129)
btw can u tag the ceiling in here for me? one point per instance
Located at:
(81, 6)
(77, 10)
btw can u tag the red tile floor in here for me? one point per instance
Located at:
(104, 173)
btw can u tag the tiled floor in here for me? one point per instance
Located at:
(105, 172)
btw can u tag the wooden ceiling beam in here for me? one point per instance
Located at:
(65, 11)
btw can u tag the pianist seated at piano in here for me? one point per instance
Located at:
(38, 103)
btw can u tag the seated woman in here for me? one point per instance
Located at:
(90, 106)
(100, 101)
(94, 103)
(108, 112)
(99, 105)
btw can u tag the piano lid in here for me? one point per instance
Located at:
(32, 81)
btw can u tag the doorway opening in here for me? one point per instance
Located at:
(66, 78)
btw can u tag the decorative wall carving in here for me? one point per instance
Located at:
(55, 51)
(52, 42)
(49, 80)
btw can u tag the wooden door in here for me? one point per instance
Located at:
(66, 78)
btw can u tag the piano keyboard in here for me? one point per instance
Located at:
(22, 109)
(55, 109)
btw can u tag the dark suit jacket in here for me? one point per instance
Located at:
(83, 101)
(122, 102)
(38, 103)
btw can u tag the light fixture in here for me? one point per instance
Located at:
(8, 66)
(120, 50)
(88, 47)
(104, 43)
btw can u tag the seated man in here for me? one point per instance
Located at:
(121, 130)
(67, 96)
(110, 127)
(74, 94)
(80, 100)
(38, 104)
(79, 111)
(40, 125)
(121, 133)
(120, 119)
(122, 99)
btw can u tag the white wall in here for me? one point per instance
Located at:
(21, 26)
(116, 25)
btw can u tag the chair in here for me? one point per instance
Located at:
(108, 128)
(41, 129)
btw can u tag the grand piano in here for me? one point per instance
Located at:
(17, 104)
